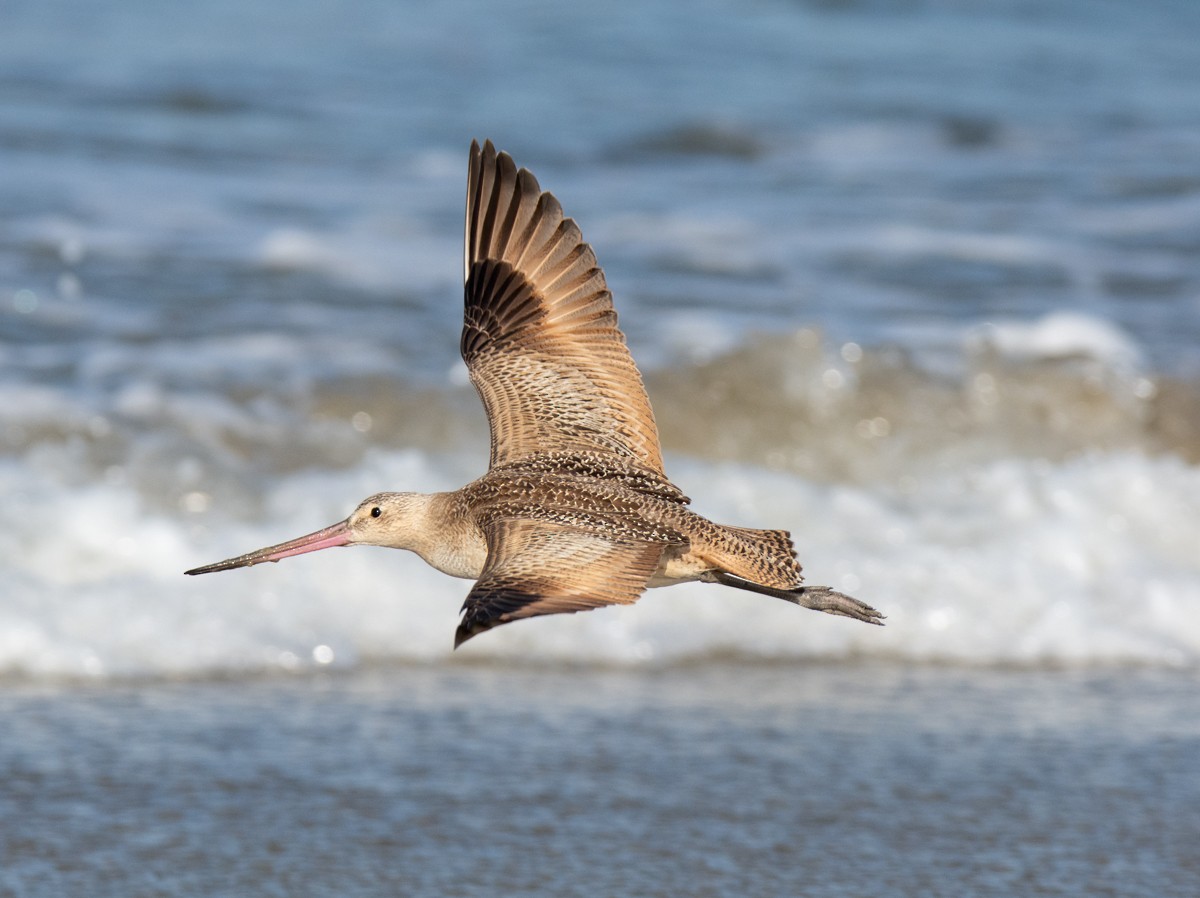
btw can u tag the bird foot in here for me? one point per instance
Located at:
(818, 598)
(824, 598)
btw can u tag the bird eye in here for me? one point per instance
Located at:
(376, 512)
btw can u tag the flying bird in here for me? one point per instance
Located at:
(575, 511)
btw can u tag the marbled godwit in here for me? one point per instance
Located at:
(575, 511)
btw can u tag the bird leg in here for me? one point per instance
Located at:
(818, 598)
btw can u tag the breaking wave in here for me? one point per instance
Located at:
(1031, 500)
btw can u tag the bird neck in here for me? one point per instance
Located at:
(446, 537)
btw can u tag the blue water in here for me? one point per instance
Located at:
(710, 781)
(919, 281)
(884, 170)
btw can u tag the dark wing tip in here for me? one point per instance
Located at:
(478, 617)
(488, 607)
(466, 630)
(483, 610)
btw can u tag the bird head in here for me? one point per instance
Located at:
(384, 519)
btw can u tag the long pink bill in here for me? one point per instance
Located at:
(337, 535)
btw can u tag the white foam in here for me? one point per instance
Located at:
(1055, 336)
(374, 253)
(1090, 561)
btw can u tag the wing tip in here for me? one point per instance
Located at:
(462, 634)
(471, 626)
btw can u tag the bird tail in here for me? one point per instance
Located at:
(766, 557)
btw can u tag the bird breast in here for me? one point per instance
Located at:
(463, 557)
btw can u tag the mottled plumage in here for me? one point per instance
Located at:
(575, 511)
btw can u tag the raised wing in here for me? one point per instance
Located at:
(540, 567)
(540, 335)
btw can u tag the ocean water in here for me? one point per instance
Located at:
(918, 281)
(713, 779)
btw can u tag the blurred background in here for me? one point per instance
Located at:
(918, 280)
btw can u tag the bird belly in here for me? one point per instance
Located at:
(678, 566)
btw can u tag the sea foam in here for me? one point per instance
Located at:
(1016, 562)
(1032, 503)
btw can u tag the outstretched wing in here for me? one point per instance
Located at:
(540, 335)
(540, 567)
